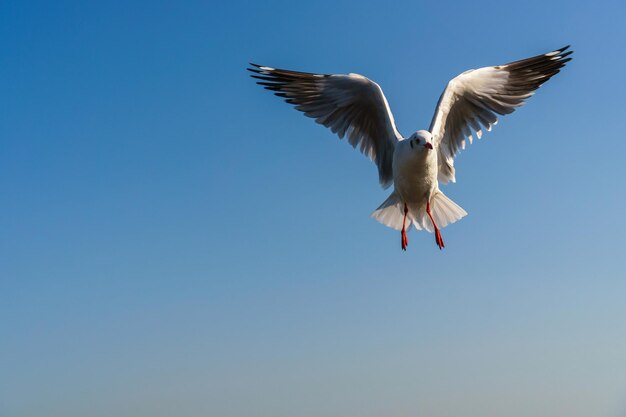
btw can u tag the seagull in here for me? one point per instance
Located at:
(354, 107)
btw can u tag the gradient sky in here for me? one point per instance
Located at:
(175, 241)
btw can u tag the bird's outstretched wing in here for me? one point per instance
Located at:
(350, 105)
(472, 100)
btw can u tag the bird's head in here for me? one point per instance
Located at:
(420, 140)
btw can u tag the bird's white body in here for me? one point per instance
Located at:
(355, 107)
(416, 189)
(414, 174)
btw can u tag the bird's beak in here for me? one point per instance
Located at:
(428, 145)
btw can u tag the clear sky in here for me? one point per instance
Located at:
(175, 241)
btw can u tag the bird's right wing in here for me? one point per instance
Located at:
(350, 105)
(472, 100)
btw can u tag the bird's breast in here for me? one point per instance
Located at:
(415, 175)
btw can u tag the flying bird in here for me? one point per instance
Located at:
(354, 107)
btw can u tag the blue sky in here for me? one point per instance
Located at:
(176, 241)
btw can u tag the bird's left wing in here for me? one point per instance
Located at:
(350, 105)
(472, 100)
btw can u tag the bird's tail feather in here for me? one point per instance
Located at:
(390, 212)
(444, 211)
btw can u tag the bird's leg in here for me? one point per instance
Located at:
(405, 240)
(438, 237)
